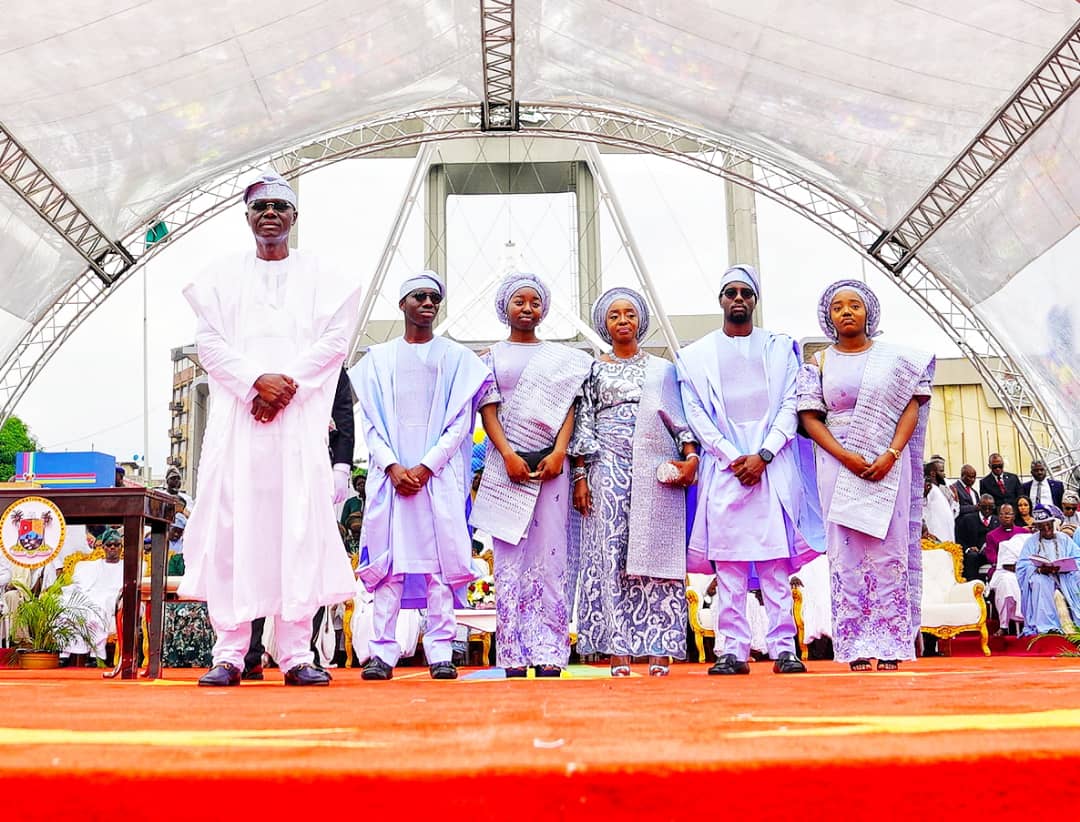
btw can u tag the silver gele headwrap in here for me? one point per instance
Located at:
(270, 186)
(870, 300)
(512, 284)
(425, 279)
(603, 305)
(741, 273)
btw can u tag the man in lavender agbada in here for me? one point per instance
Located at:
(417, 405)
(738, 389)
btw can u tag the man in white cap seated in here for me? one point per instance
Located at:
(1047, 564)
(738, 388)
(417, 407)
(273, 328)
(95, 585)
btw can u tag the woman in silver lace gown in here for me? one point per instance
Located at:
(631, 596)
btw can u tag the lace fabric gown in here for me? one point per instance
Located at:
(618, 613)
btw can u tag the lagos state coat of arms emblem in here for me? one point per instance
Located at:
(32, 532)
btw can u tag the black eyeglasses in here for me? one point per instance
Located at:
(114, 544)
(424, 296)
(277, 205)
(745, 293)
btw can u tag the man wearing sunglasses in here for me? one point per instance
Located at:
(95, 584)
(417, 408)
(738, 388)
(273, 326)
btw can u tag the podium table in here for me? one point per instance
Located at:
(133, 508)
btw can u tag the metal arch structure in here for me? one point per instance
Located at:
(706, 152)
(39, 190)
(1042, 93)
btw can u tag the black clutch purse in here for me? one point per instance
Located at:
(534, 458)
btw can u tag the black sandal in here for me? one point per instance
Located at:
(548, 671)
(861, 665)
(888, 664)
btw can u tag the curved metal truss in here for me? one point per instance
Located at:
(641, 133)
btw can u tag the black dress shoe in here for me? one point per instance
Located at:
(375, 668)
(443, 670)
(553, 671)
(306, 675)
(222, 674)
(255, 673)
(517, 672)
(788, 663)
(728, 664)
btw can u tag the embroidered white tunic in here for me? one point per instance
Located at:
(262, 538)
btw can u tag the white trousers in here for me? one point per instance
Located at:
(731, 621)
(292, 639)
(440, 630)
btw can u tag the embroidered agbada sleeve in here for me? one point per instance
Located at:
(311, 368)
(584, 443)
(708, 435)
(786, 421)
(450, 442)
(379, 451)
(229, 368)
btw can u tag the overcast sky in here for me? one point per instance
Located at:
(90, 396)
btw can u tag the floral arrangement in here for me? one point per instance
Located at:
(482, 592)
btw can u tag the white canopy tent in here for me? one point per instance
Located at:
(118, 115)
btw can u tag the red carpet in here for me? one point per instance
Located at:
(944, 736)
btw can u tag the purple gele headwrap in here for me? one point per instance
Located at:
(603, 305)
(870, 300)
(512, 284)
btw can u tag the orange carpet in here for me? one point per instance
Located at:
(946, 736)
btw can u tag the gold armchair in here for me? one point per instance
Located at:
(951, 606)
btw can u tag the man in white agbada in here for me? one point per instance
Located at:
(417, 408)
(273, 329)
(738, 389)
(95, 584)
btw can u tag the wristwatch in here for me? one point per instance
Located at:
(766, 455)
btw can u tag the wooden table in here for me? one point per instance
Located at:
(131, 507)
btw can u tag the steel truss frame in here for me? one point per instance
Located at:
(106, 258)
(1038, 97)
(499, 111)
(706, 152)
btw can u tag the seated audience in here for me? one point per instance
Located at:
(1005, 531)
(1040, 572)
(98, 582)
(1070, 520)
(1023, 513)
(971, 531)
(1004, 587)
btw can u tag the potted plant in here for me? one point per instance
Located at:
(44, 624)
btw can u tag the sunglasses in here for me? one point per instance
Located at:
(745, 293)
(277, 205)
(424, 296)
(114, 544)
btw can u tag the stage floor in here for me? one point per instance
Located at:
(965, 734)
